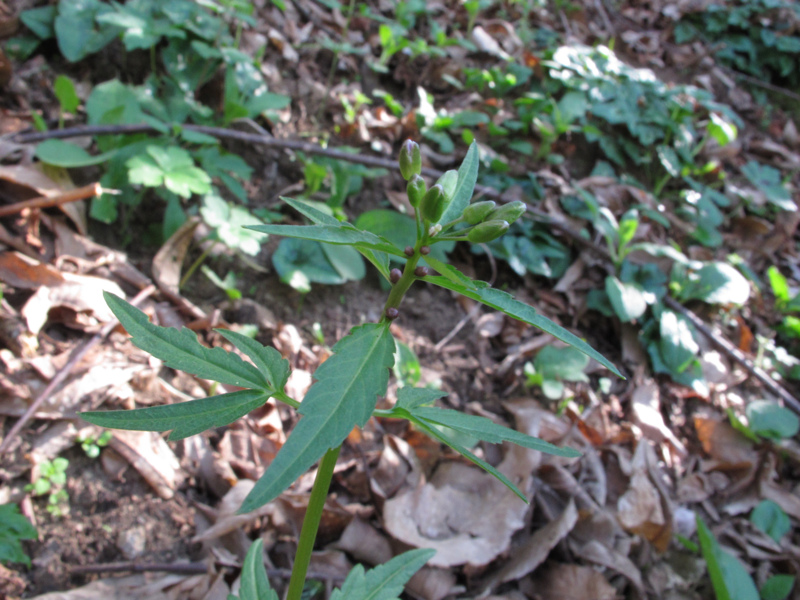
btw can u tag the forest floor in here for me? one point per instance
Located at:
(685, 435)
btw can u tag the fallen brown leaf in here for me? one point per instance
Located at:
(535, 550)
(572, 582)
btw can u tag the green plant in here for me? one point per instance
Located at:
(91, 445)
(753, 36)
(635, 292)
(51, 481)
(766, 420)
(348, 383)
(729, 577)
(188, 44)
(553, 366)
(13, 529)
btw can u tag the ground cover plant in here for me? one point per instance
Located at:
(349, 383)
(243, 182)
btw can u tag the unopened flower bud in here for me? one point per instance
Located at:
(475, 213)
(392, 313)
(395, 275)
(409, 251)
(433, 230)
(425, 250)
(508, 212)
(487, 231)
(421, 271)
(416, 189)
(448, 182)
(433, 204)
(410, 159)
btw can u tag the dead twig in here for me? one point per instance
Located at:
(87, 191)
(764, 84)
(736, 354)
(75, 357)
(193, 568)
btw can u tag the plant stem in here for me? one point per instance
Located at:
(196, 264)
(401, 287)
(308, 533)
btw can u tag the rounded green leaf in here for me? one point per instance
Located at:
(771, 420)
(771, 519)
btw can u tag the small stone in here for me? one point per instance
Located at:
(421, 271)
(132, 542)
(395, 275)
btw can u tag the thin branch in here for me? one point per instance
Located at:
(194, 568)
(75, 357)
(736, 354)
(87, 191)
(764, 84)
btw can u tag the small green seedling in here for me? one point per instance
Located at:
(92, 445)
(349, 383)
(51, 481)
(766, 420)
(553, 366)
(729, 577)
(13, 529)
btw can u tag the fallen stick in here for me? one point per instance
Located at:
(87, 191)
(194, 568)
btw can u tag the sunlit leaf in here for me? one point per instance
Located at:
(344, 395)
(771, 420)
(384, 582)
(179, 349)
(184, 419)
(342, 235)
(519, 310)
(487, 430)
(467, 176)
(626, 298)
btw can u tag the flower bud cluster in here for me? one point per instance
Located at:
(485, 220)
(490, 222)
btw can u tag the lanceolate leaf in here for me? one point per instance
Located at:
(342, 235)
(430, 431)
(519, 310)
(316, 216)
(269, 361)
(451, 273)
(412, 397)
(384, 582)
(728, 575)
(254, 582)
(379, 259)
(467, 176)
(344, 395)
(179, 349)
(486, 430)
(184, 418)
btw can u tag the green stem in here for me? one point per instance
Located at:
(283, 397)
(308, 533)
(195, 265)
(401, 287)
